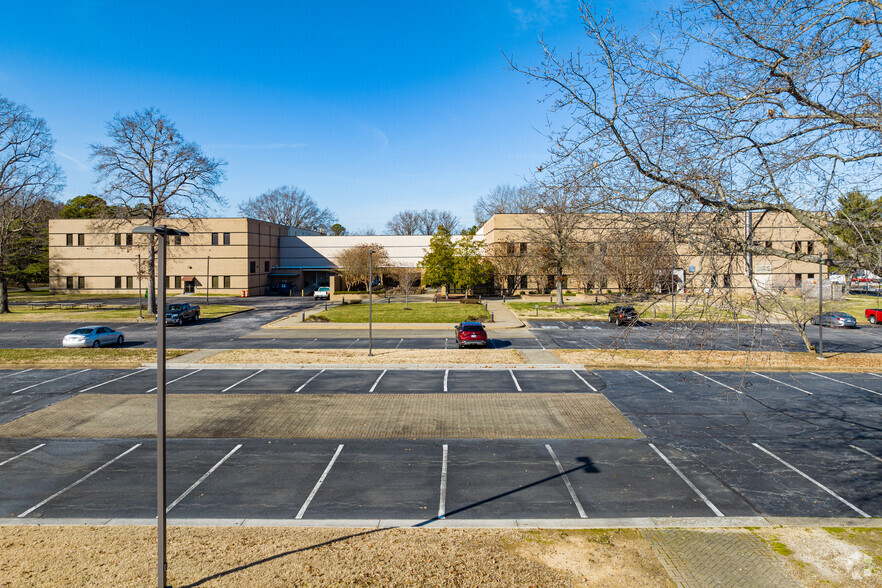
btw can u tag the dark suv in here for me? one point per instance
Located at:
(623, 315)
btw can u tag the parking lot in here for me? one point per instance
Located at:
(716, 445)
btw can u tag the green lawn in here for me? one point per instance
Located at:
(420, 312)
(661, 310)
(105, 315)
(853, 305)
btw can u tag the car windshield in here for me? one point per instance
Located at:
(472, 328)
(324, 289)
(628, 309)
(172, 307)
(82, 331)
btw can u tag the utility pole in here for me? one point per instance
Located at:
(207, 277)
(821, 310)
(140, 298)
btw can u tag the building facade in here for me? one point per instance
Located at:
(241, 255)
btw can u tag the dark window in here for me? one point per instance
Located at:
(713, 281)
(214, 281)
(130, 282)
(70, 283)
(810, 276)
(509, 248)
(768, 244)
(226, 281)
(796, 247)
(523, 247)
(117, 239)
(809, 247)
(69, 240)
(81, 282)
(727, 281)
(129, 238)
(177, 282)
(167, 280)
(177, 240)
(214, 239)
(266, 266)
(81, 240)
(523, 281)
(252, 267)
(117, 282)
(798, 279)
(226, 238)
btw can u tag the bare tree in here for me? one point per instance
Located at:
(289, 206)
(635, 258)
(726, 107)
(353, 263)
(422, 222)
(407, 277)
(503, 199)
(28, 176)
(510, 261)
(149, 168)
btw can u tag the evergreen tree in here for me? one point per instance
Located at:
(470, 267)
(439, 261)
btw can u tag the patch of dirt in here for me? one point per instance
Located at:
(380, 356)
(722, 360)
(838, 557)
(266, 557)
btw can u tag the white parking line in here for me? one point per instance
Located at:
(718, 382)
(319, 483)
(584, 381)
(17, 373)
(567, 483)
(380, 377)
(175, 380)
(877, 375)
(202, 479)
(654, 382)
(518, 386)
(864, 451)
(813, 481)
(47, 381)
(83, 479)
(443, 500)
(351, 344)
(399, 344)
(539, 342)
(228, 388)
(308, 381)
(307, 343)
(446, 372)
(688, 482)
(14, 457)
(782, 383)
(847, 384)
(114, 380)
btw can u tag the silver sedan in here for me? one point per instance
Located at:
(93, 337)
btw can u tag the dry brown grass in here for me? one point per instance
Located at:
(719, 360)
(381, 356)
(81, 358)
(268, 557)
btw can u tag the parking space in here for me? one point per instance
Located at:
(718, 444)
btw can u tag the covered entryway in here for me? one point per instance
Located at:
(189, 284)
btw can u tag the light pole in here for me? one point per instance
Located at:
(821, 310)
(162, 232)
(207, 277)
(140, 298)
(370, 302)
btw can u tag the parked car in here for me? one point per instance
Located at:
(470, 333)
(874, 315)
(92, 337)
(835, 319)
(176, 314)
(323, 293)
(623, 315)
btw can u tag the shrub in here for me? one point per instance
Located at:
(352, 301)
(317, 319)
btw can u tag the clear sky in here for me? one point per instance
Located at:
(371, 107)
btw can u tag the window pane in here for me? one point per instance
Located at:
(117, 239)
(70, 283)
(81, 240)
(69, 240)
(214, 281)
(226, 238)
(226, 281)
(214, 238)
(129, 238)
(177, 281)
(130, 282)
(81, 282)
(117, 282)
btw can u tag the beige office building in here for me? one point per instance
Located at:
(236, 255)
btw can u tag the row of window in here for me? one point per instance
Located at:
(178, 281)
(252, 267)
(126, 239)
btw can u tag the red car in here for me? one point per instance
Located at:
(874, 315)
(471, 333)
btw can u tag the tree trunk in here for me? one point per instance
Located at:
(26, 286)
(559, 280)
(801, 330)
(4, 294)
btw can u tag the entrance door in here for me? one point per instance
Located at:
(189, 286)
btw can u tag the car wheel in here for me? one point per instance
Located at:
(119, 340)
(97, 343)
(872, 319)
(179, 322)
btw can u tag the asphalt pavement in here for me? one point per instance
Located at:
(722, 445)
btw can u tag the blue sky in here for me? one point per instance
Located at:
(371, 107)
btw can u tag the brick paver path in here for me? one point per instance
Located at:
(718, 558)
